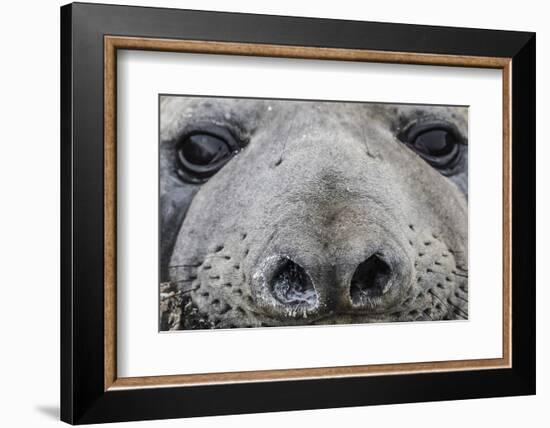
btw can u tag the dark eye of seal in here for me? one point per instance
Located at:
(438, 143)
(203, 153)
(203, 149)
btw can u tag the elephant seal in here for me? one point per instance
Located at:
(284, 213)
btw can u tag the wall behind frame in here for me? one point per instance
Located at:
(29, 226)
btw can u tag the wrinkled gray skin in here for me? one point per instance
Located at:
(325, 185)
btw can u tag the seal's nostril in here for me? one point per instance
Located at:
(291, 285)
(369, 280)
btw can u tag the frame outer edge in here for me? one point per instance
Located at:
(66, 304)
(524, 217)
(298, 30)
(82, 401)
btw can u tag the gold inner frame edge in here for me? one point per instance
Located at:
(113, 43)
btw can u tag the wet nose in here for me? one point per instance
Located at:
(370, 279)
(291, 287)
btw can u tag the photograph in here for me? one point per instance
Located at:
(291, 212)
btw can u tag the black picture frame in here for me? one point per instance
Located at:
(83, 396)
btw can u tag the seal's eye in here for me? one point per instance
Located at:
(203, 149)
(438, 143)
(202, 153)
(435, 142)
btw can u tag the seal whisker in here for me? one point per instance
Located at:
(462, 275)
(458, 296)
(190, 279)
(447, 304)
(191, 266)
(188, 290)
(457, 308)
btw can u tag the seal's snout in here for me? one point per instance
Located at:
(303, 287)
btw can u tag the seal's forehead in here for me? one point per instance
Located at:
(450, 113)
(178, 111)
(402, 114)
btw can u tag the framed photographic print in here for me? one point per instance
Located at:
(264, 213)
